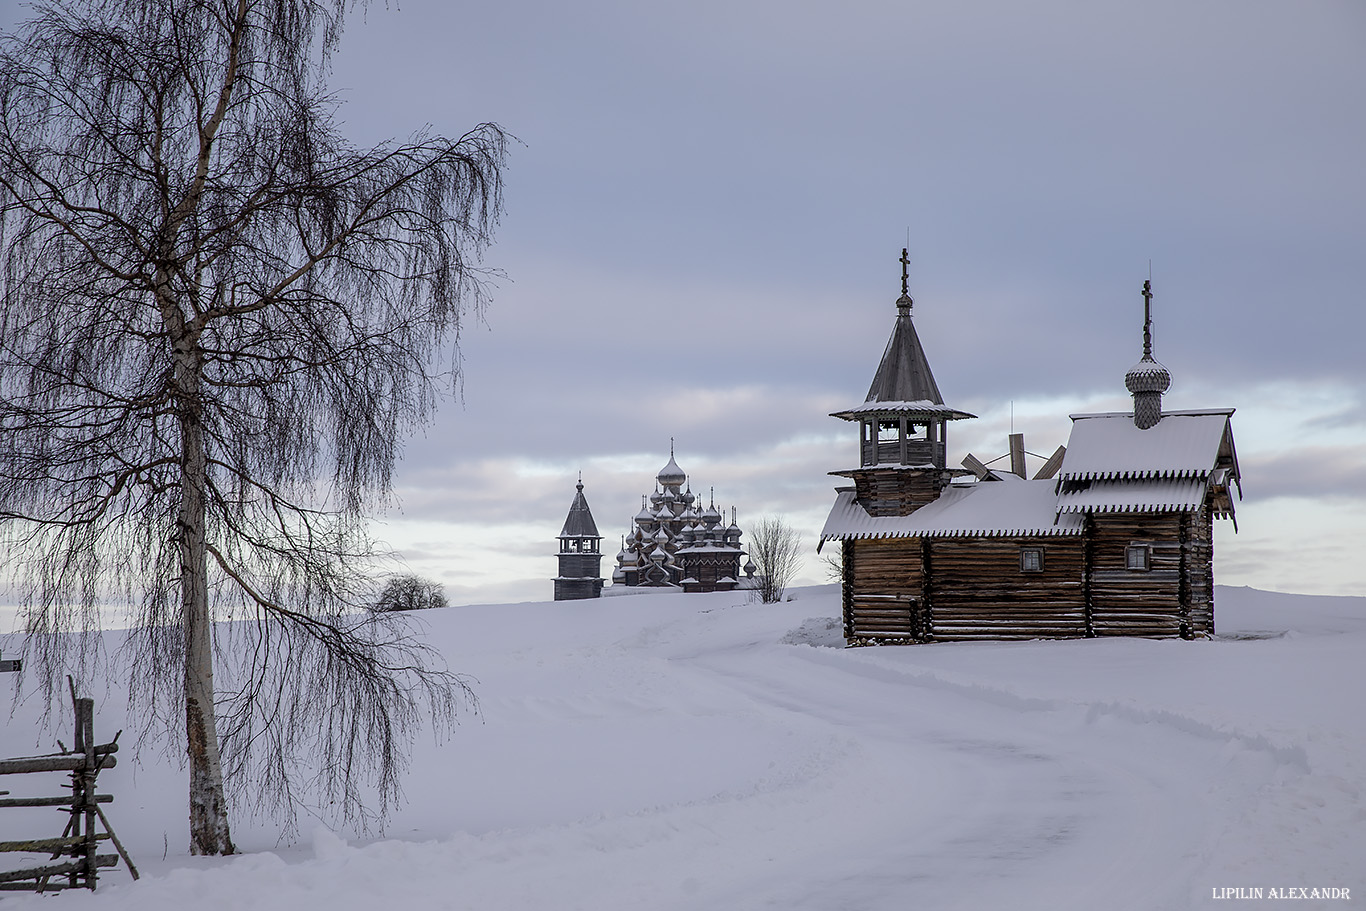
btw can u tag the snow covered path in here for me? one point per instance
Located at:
(689, 752)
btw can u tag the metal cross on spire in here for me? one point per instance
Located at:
(903, 303)
(1147, 319)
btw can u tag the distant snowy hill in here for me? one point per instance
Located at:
(702, 752)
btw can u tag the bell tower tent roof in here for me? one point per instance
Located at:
(579, 523)
(904, 374)
(904, 381)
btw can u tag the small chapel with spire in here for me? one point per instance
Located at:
(1112, 537)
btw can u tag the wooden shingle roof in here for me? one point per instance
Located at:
(904, 381)
(579, 523)
(904, 373)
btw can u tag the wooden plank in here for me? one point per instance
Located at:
(1050, 468)
(975, 465)
(1017, 455)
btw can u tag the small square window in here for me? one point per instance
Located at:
(1031, 559)
(1138, 557)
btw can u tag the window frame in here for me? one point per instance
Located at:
(1146, 550)
(1034, 550)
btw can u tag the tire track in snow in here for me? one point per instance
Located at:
(1293, 756)
(1147, 801)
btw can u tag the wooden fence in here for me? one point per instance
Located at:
(79, 843)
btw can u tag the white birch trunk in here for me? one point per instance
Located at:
(208, 808)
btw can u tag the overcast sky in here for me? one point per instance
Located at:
(707, 206)
(708, 201)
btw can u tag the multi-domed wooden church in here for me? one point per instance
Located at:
(1113, 536)
(674, 543)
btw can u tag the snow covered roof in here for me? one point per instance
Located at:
(991, 509)
(918, 406)
(1184, 444)
(928, 466)
(1134, 495)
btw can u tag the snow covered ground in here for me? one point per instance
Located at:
(672, 752)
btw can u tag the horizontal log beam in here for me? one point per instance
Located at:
(1006, 610)
(72, 763)
(1001, 637)
(101, 860)
(47, 844)
(1052, 629)
(48, 801)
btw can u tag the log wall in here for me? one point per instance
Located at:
(898, 492)
(1174, 596)
(922, 590)
(977, 590)
(580, 566)
(882, 590)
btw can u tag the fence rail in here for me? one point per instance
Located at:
(79, 841)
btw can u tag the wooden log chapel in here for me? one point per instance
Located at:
(1112, 537)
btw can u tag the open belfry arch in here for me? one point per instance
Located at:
(1113, 535)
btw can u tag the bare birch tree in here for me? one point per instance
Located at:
(217, 319)
(775, 548)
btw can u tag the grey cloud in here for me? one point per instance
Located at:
(704, 217)
(1333, 474)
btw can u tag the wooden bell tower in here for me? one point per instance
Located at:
(903, 424)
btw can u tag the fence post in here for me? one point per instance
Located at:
(85, 726)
